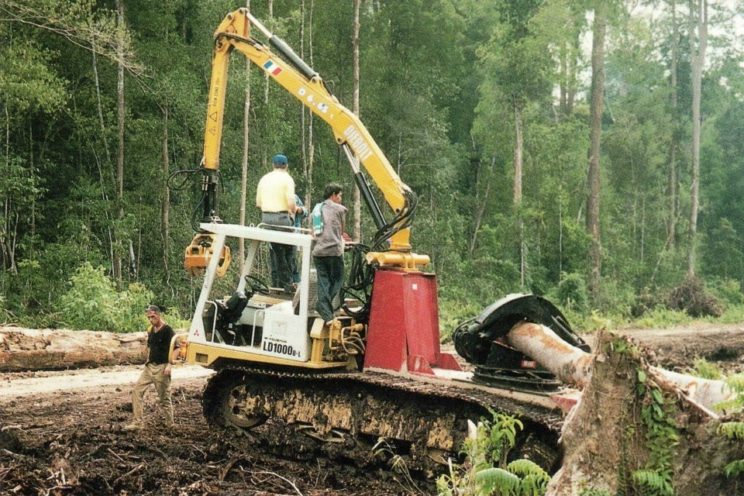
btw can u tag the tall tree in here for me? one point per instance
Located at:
(674, 142)
(121, 109)
(698, 23)
(246, 142)
(355, 108)
(594, 175)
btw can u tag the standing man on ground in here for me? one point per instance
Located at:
(275, 196)
(329, 249)
(157, 370)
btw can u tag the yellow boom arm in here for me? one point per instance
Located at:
(294, 75)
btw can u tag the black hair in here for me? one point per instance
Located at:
(332, 189)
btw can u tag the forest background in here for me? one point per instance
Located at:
(592, 152)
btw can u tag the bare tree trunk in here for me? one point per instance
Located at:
(568, 55)
(673, 194)
(244, 162)
(99, 107)
(480, 204)
(593, 200)
(517, 199)
(33, 175)
(355, 109)
(303, 110)
(267, 131)
(518, 151)
(165, 205)
(120, 156)
(699, 22)
(310, 138)
(7, 253)
(563, 54)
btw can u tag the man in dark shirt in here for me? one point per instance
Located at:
(157, 370)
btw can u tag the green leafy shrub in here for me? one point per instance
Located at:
(572, 293)
(732, 315)
(486, 471)
(4, 313)
(728, 290)
(453, 313)
(734, 430)
(706, 370)
(92, 302)
(646, 301)
(662, 317)
(662, 436)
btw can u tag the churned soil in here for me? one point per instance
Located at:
(62, 432)
(66, 438)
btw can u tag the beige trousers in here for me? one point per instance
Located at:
(153, 374)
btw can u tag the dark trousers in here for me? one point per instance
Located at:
(280, 255)
(330, 272)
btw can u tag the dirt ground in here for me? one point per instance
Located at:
(71, 441)
(62, 433)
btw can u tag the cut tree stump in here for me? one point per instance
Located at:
(621, 434)
(54, 349)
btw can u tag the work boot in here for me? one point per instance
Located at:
(134, 426)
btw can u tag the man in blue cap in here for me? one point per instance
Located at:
(275, 196)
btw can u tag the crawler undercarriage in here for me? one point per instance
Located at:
(424, 422)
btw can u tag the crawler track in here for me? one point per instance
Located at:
(423, 421)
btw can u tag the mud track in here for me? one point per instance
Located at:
(73, 442)
(62, 433)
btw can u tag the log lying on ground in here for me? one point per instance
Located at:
(574, 366)
(54, 349)
(633, 430)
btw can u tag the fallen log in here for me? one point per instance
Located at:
(573, 366)
(54, 349)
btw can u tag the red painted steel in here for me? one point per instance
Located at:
(403, 332)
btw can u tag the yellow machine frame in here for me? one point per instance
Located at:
(233, 33)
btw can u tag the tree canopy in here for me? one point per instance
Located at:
(441, 84)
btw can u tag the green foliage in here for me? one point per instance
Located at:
(486, 472)
(572, 292)
(728, 290)
(451, 314)
(653, 483)
(4, 313)
(92, 302)
(502, 436)
(494, 480)
(661, 439)
(706, 370)
(734, 469)
(732, 315)
(736, 382)
(447, 128)
(594, 492)
(734, 430)
(662, 317)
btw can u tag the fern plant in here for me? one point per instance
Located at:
(485, 471)
(661, 438)
(734, 430)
